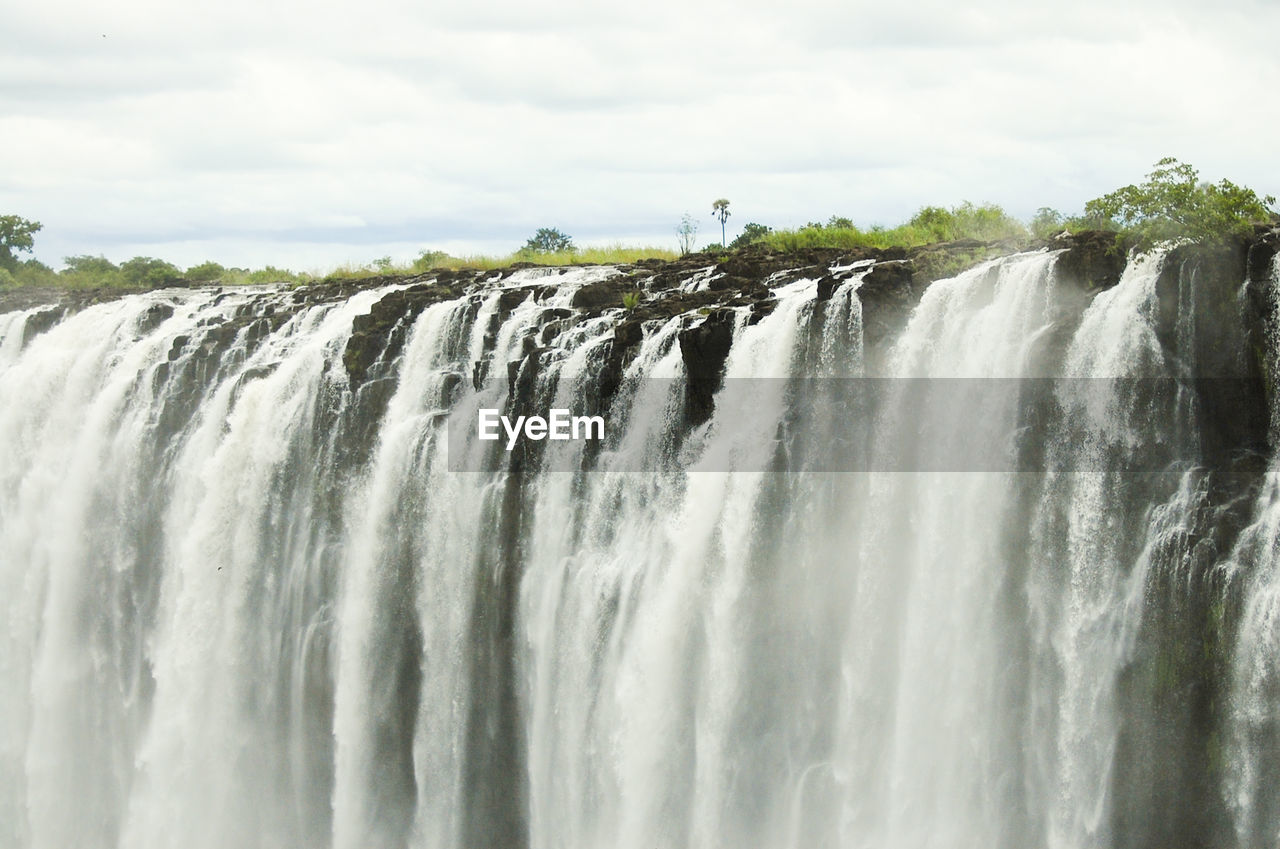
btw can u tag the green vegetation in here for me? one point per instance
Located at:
(149, 273)
(548, 240)
(615, 254)
(1173, 203)
(430, 259)
(141, 272)
(95, 272)
(987, 222)
(687, 233)
(206, 272)
(1047, 223)
(752, 232)
(17, 235)
(630, 301)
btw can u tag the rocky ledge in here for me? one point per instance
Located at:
(727, 281)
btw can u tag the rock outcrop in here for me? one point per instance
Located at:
(712, 288)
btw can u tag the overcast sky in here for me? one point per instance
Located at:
(312, 133)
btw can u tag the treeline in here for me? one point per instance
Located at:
(1173, 203)
(141, 272)
(986, 222)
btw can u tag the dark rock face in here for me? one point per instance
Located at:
(1261, 251)
(600, 296)
(888, 293)
(40, 322)
(1093, 260)
(154, 317)
(381, 333)
(704, 349)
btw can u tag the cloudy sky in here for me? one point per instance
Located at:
(313, 133)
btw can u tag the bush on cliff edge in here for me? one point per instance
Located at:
(1173, 203)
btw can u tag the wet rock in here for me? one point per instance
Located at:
(628, 334)
(827, 285)
(626, 339)
(729, 283)
(704, 349)
(1093, 260)
(155, 315)
(602, 295)
(380, 334)
(1261, 252)
(179, 343)
(760, 309)
(888, 294)
(511, 299)
(38, 323)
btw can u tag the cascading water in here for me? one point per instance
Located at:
(260, 589)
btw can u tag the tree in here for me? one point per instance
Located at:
(934, 224)
(1174, 203)
(720, 209)
(1046, 223)
(206, 272)
(84, 270)
(16, 236)
(548, 240)
(429, 259)
(687, 233)
(93, 266)
(150, 272)
(751, 232)
(987, 222)
(839, 222)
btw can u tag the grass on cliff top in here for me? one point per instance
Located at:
(438, 260)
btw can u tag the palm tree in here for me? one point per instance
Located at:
(720, 209)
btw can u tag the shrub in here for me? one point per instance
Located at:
(987, 222)
(1046, 223)
(751, 232)
(430, 259)
(206, 272)
(149, 271)
(33, 272)
(271, 274)
(548, 240)
(1173, 203)
(687, 234)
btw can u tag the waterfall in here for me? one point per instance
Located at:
(1254, 732)
(995, 581)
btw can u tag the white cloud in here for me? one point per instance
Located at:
(335, 132)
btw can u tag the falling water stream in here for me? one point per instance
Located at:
(239, 609)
